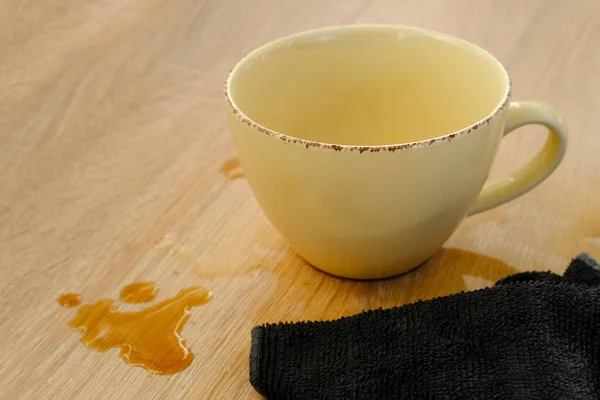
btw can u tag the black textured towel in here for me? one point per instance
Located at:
(534, 335)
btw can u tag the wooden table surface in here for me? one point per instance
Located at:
(116, 166)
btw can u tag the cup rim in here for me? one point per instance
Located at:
(366, 148)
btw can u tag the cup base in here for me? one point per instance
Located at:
(393, 273)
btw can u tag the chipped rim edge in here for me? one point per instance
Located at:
(370, 148)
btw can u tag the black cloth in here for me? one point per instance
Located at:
(533, 335)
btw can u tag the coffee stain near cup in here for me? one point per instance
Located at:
(591, 228)
(167, 243)
(209, 273)
(594, 241)
(298, 291)
(149, 338)
(497, 216)
(232, 169)
(138, 292)
(305, 293)
(554, 233)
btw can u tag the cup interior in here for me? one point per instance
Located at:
(368, 85)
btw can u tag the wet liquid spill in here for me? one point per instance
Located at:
(69, 300)
(208, 273)
(150, 338)
(232, 169)
(167, 243)
(139, 292)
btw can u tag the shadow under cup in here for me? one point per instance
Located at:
(349, 139)
(370, 86)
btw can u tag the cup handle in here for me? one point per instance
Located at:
(520, 113)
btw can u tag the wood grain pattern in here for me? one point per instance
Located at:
(112, 136)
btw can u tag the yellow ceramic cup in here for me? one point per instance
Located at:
(367, 145)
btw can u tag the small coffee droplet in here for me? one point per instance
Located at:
(232, 169)
(69, 300)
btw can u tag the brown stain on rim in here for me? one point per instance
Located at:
(374, 148)
(361, 149)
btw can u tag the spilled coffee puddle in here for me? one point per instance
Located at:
(138, 292)
(149, 338)
(232, 169)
